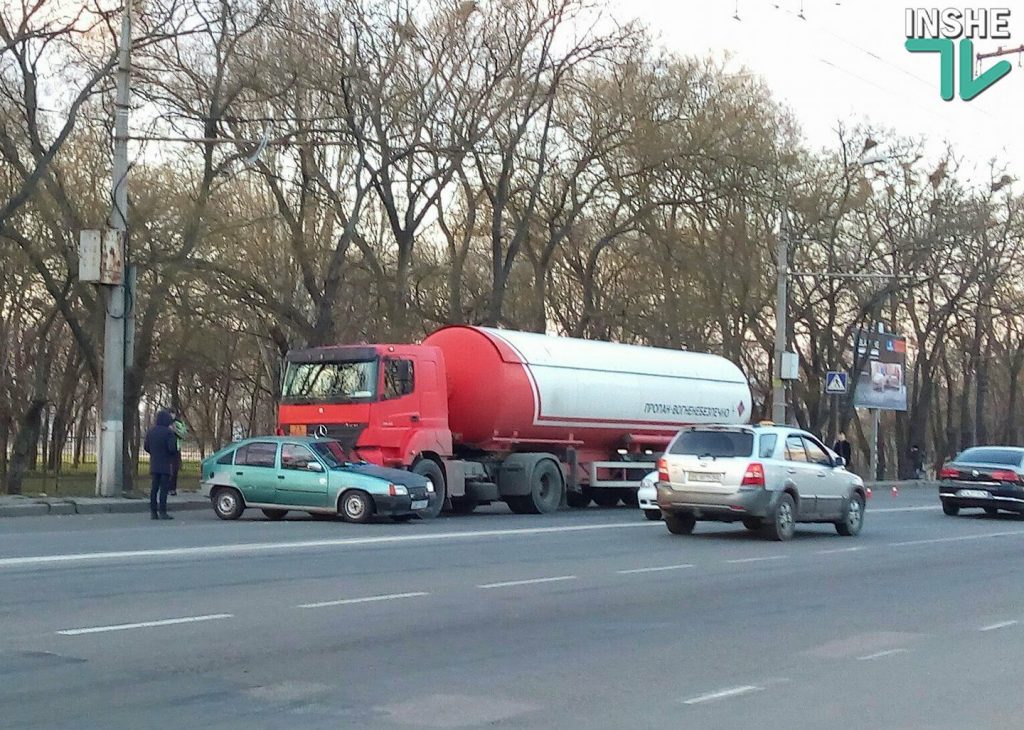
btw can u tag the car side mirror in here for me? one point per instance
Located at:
(315, 466)
(839, 462)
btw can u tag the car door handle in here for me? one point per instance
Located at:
(280, 476)
(238, 474)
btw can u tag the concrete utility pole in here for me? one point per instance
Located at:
(110, 477)
(781, 303)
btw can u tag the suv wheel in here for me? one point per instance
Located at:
(850, 525)
(950, 508)
(680, 524)
(781, 523)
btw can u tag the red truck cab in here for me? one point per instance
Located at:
(390, 402)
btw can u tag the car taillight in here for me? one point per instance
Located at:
(279, 431)
(754, 476)
(1004, 475)
(949, 472)
(662, 469)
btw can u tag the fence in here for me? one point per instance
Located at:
(78, 450)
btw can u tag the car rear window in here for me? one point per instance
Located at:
(260, 453)
(991, 456)
(713, 443)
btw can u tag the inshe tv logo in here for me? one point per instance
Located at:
(935, 31)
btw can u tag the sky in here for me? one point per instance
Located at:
(846, 61)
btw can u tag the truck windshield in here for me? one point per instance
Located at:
(718, 444)
(333, 453)
(332, 382)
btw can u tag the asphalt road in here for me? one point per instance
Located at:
(597, 619)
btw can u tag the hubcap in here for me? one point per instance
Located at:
(785, 518)
(854, 515)
(354, 506)
(226, 502)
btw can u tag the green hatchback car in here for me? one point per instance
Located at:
(279, 474)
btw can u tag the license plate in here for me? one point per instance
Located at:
(419, 504)
(699, 476)
(973, 494)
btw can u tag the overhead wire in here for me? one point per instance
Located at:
(952, 127)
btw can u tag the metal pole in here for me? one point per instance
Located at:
(781, 298)
(873, 475)
(111, 446)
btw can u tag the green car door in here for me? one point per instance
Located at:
(301, 480)
(254, 471)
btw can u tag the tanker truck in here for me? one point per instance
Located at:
(488, 415)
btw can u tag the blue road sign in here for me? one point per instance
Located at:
(836, 382)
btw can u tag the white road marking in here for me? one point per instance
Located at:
(510, 583)
(880, 654)
(654, 570)
(757, 560)
(367, 599)
(961, 538)
(266, 547)
(145, 624)
(839, 550)
(884, 510)
(723, 694)
(1000, 625)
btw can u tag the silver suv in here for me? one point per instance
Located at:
(767, 477)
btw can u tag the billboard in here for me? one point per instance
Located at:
(881, 382)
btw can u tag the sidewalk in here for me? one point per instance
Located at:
(29, 506)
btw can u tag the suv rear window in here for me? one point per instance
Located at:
(991, 456)
(713, 443)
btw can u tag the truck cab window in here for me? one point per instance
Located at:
(398, 378)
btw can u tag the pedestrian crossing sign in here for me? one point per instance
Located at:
(835, 382)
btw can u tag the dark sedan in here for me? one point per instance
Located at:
(984, 477)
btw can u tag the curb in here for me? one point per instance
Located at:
(94, 506)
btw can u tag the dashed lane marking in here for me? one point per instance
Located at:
(366, 599)
(145, 624)
(511, 583)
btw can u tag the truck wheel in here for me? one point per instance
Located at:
(606, 497)
(578, 499)
(429, 469)
(545, 489)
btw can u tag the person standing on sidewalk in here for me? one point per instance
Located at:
(180, 431)
(162, 447)
(845, 450)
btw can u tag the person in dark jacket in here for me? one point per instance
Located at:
(162, 447)
(917, 461)
(844, 449)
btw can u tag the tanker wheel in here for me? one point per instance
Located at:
(577, 499)
(430, 470)
(546, 487)
(606, 497)
(629, 497)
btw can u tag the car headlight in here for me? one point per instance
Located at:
(430, 487)
(397, 490)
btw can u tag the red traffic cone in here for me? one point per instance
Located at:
(895, 491)
(869, 492)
